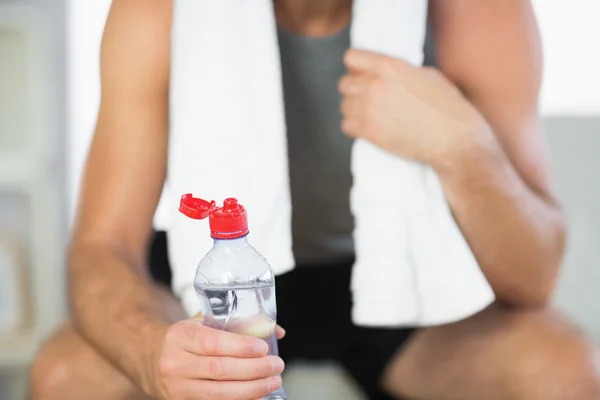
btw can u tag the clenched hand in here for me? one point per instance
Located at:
(197, 362)
(413, 112)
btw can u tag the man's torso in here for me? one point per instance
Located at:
(319, 153)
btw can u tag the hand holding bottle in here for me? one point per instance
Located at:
(235, 286)
(197, 362)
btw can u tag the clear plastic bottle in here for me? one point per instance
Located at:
(234, 282)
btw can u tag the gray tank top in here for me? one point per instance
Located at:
(319, 153)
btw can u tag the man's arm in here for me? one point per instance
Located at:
(114, 305)
(111, 294)
(502, 198)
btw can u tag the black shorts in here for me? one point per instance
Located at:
(314, 307)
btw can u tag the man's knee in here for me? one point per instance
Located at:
(52, 369)
(67, 367)
(556, 370)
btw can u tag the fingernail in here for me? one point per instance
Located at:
(273, 383)
(277, 365)
(261, 347)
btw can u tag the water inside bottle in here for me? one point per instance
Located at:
(246, 310)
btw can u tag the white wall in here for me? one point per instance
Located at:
(85, 25)
(571, 36)
(574, 144)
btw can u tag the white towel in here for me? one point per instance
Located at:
(228, 139)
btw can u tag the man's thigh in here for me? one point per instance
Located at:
(498, 354)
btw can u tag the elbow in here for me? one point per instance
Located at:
(552, 258)
(534, 287)
(74, 271)
(559, 237)
(539, 296)
(527, 296)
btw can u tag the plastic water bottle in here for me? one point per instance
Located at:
(234, 282)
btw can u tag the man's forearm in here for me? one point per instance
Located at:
(516, 235)
(116, 309)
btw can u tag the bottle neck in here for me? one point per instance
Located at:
(232, 243)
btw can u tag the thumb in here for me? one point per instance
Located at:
(198, 317)
(374, 63)
(279, 332)
(364, 61)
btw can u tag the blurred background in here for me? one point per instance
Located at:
(49, 88)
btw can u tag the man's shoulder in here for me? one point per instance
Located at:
(140, 19)
(136, 41)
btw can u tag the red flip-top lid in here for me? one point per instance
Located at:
(227, 222)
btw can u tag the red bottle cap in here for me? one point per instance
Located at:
(227, 222)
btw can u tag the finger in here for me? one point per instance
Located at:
(279, 332)
(350, 126)
(433, 73)
(350, 106)
(371, 62)
(353, 84)
(228, 368)
(199, 317)
(192, 336)
(237, 390)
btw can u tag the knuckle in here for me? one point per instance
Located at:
(369, 125)
(192, 332)
(434, 72)
(346, 126)
(248, 344)
(386, 67)
(363, 123)
(369, 113)
(258, 388)
(166, 366)
(378, 86)
(210, 343)
(172, 333)
(268, 385)
(215, 368)
(266, 367)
